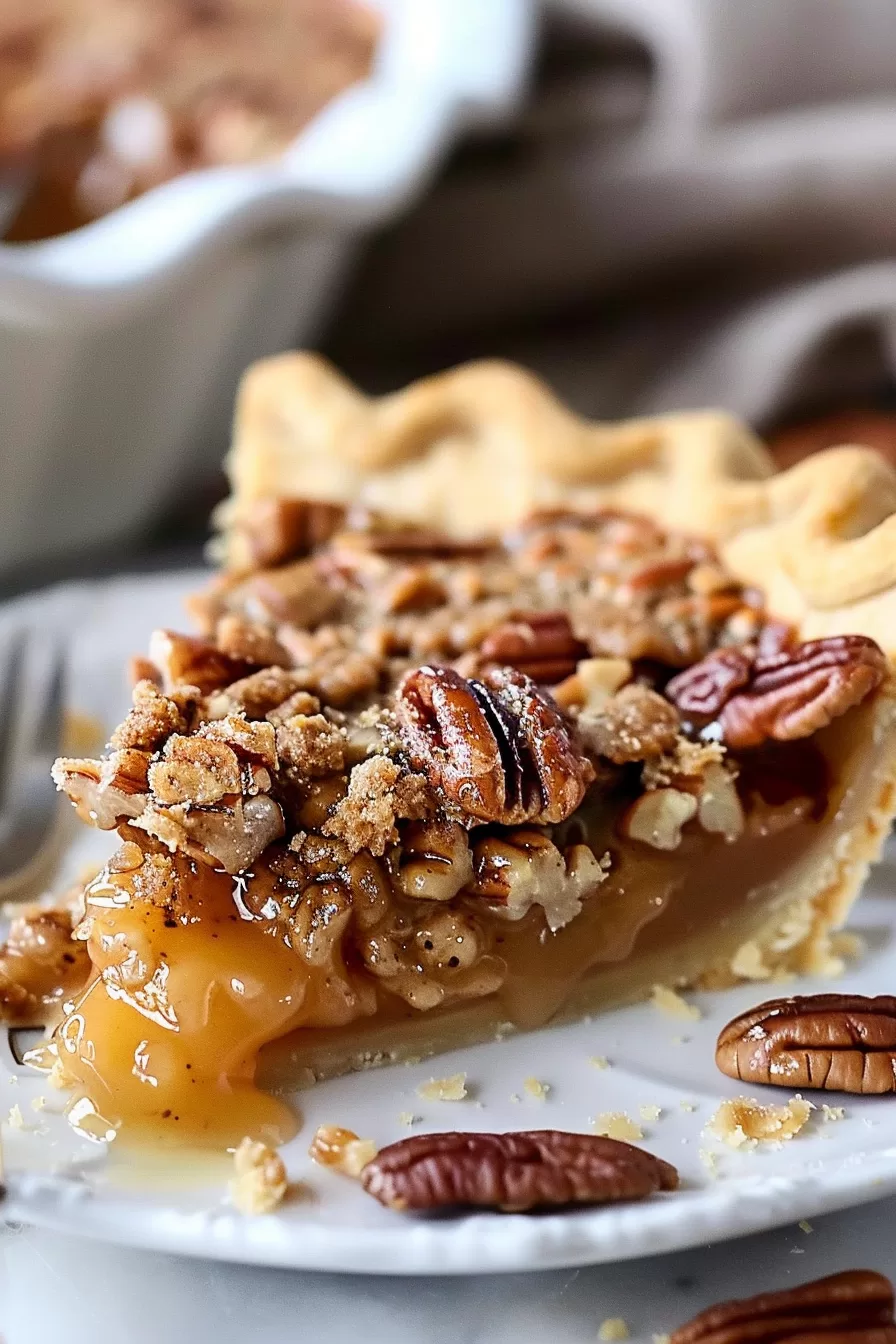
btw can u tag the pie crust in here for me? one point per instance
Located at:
(479, 447)
(572, 850)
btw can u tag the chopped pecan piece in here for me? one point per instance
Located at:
(257, 695)
(541, 645)
(592, 684)
(521, 868)
(232, 836)
(707, 687)
(719, 809)
(434, 860)
(512, 1172)
(272, 531)
(855, 1307)
(794, 694)
(410, 542)
(498, 748)
(249, 642)
(635, 725)
(296, 594)
(338, 673)
(837, 1042)
(411, 588)
(319, 920)
(105, 792)
(186, 661)
(656, 818)
(143, 669)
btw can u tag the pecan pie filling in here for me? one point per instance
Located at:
(405, 790)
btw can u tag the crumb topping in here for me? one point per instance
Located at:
(392, 733)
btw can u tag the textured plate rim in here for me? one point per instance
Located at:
(472, 1244)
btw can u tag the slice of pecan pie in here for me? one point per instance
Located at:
(418, 781)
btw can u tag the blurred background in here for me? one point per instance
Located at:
(653, 203)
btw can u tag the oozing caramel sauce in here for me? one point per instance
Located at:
(166, 1036)
(189, 989)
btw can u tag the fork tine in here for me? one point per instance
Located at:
(12, 664)
(31, 713)
(46, 738)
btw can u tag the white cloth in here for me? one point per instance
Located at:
(697, 204)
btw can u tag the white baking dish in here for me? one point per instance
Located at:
(121, 344)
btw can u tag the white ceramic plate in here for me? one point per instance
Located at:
(58, 1181)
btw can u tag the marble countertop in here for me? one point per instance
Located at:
(59, 1290)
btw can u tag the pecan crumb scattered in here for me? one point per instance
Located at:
(537, 1089)
(260, 1182)
(743, 1121)
(617, 1125)
(673, 1005)
(613, 1328)
(341, 1149)
(452, 1088)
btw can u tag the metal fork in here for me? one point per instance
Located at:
(32, 694)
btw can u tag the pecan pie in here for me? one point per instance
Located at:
(414, 780)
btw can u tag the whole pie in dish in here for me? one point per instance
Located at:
(101, 100)
(494, 717)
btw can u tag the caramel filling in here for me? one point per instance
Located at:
(185, 995)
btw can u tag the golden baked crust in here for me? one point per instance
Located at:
(479, 447)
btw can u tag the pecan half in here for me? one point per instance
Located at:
(498, 748)
(707, 687)
(540, 644)
(795, 693)
(851, 1308)
(512, 1172)
(838, 1042)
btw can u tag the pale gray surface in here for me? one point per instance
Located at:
(55, 1289)
(709, 155)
